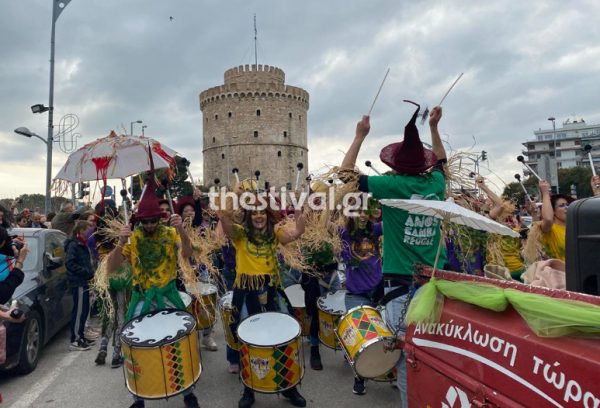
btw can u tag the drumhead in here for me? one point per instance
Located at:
(295, 294)
(158, 328)
(374, 360)
(268, 329)
(333, 302)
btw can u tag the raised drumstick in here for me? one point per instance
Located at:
(522, 160)
(369, 164)
(378, 91)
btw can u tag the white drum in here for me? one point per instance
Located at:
(270, 352)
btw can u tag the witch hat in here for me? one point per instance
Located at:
(409, 156)
(148, 206)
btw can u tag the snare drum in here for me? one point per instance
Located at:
(363, 333)
(295, 294)
(225, 310)
(161, 354)
(205, 306)
(332, 307)
(270, 352)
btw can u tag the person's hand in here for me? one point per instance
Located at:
(363, 127)
(13, 205)
(480, 181)
(434, 116)
(124, 234)
(22, 254)
(175, 220)
(196, 194)
(595, 182)
(544, 187)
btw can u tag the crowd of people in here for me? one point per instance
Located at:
(144, 259)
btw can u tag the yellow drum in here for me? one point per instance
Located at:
(205, 306)
(331, 307)
(225, 310)
(295, 294)
(270, 352)
(364, 336)
(161, 354)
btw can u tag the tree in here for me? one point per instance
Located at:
(514, 192)
(578, 176)
(178, 185)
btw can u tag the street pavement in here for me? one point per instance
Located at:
(69, 379)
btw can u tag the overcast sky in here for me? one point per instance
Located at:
(119, 61)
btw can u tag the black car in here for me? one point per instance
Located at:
(44, 296)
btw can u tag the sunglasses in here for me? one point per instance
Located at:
(149, 221)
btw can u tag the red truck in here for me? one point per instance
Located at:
(474, 357)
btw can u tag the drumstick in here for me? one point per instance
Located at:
(299, 166)
(165, 184)
(451, 86)
(370, 165)
(518, 177)
(235, 172)
(522, 160)
(588, 149)
(257, 174)
(378, 91)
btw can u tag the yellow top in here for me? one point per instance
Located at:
(510, 249)
(254, 262)
(153, 258)
(554, 242)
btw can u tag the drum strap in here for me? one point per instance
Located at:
(393, 294)
(154, 294)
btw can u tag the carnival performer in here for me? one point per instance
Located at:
(191, 214)
(364, 278)
(510, 247)
(408, 239)
(119, 288)
(554, 221)
(152, 254)
(257, 288)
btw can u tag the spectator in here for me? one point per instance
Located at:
(49, 217)
(23, 221)
(595, 182)
(36, 221)
(78, 262)
(11, 265)
(5, 217)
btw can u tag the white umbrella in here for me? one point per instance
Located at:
(114, 156)
(448, 211)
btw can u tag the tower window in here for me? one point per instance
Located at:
(299, 117)
(258, 112)
(290, 115)
(229, 114)
(284, 133)
(302, 153)
(216, 117)
(279, 153)
(207, 119)
(213, 139)
(256, 133)
(222, 155)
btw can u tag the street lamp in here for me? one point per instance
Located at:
(23, 131)
(144, 127)
(552, 119)
(131, 128)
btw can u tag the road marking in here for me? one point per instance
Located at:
(35, 391)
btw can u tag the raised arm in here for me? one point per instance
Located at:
(547, 210)
(436, 141)
(116, 258)
(226, 221)
(362, 130)
(288, 237)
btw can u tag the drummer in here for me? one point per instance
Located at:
(255, 289)
(419, 174)
(152, 253)
(364, 279)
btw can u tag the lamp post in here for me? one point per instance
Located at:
(23, 131)
(131, 128)
(552, 119)
(144, 127)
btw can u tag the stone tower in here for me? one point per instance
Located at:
(254, 122)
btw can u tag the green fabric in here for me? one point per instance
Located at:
(545, 316)
(121, 279)
(154, 294)
(409, 239)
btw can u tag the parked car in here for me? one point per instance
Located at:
(44, 296)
